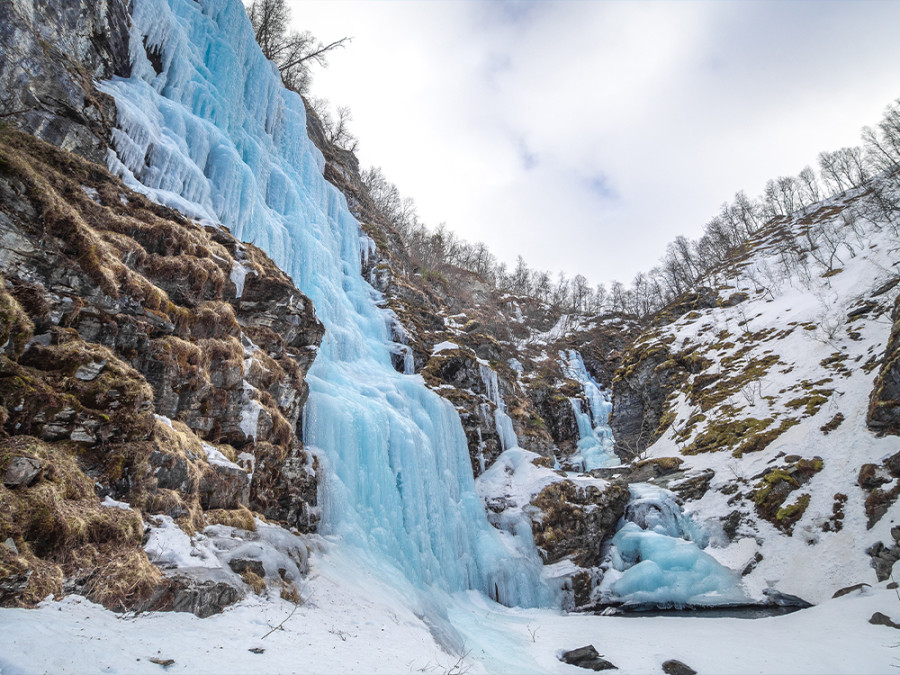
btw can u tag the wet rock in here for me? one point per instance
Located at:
(586, 657)
(22, 471)
(13, 585)
(779, 599)
(673, 667)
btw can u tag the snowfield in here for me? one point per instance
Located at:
(350, 621)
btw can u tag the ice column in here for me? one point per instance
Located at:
(502, 421)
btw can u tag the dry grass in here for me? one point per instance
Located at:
(254, 581)
(240, 518)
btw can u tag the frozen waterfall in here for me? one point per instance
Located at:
(657, 558)
(595, 442)
(215, 134)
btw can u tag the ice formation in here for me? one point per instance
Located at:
(595, 436)
(502, 421)
(657, 558)
(215, 135)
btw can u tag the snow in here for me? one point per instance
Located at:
(111, 503)
(349, 621)
(215, 456)
(444, 346)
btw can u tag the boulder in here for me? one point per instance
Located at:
(673, 667)
(22, 471)
(202, 591)
(586, 657)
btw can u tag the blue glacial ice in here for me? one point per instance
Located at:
(595, 442)
(657, 557)
(215, 135)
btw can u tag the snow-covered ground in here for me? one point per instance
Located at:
(350, 621)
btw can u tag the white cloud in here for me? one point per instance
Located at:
(586, 135)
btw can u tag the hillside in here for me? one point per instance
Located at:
(245, 428)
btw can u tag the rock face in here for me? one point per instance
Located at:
(54, 51)
(884, 404)
(166, 359)
(575, 521)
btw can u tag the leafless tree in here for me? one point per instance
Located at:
(292, 51)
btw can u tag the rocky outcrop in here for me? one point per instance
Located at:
(884, 403)
(640, 387)
(53, 53)
(145, 359)
(575, 520)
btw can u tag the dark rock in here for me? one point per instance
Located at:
(575, 521)
(780, 599)
(199, 590)
(53, 52)
(735, 299)
(13, 585)
(673, 667)
(693, 487)
(879, 619)
(757, 558)
(883, 559)
(21, 471)
(862, 309)
(586, 657)
(241, 565)
(872, 476)
(884, 402)
(171, 472)
(850, 589)
(731, 523)
(224, 487)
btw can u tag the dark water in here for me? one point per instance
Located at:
(733, 612)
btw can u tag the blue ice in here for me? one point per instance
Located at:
(596, 441)
(217, 136)
(657, 553)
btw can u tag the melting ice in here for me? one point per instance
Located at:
(215, 135)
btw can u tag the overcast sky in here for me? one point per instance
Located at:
(586, 135)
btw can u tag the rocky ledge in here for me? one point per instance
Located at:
(149, 365)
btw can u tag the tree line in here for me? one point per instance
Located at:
(686, 264)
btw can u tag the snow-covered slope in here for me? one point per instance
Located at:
(772, 392)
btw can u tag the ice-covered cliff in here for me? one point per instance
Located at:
(205, 126)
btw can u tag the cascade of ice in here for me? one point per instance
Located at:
(214, 134)
(595, 436)
(657, 559)
(502, 421)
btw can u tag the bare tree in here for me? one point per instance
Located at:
(292, 51)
